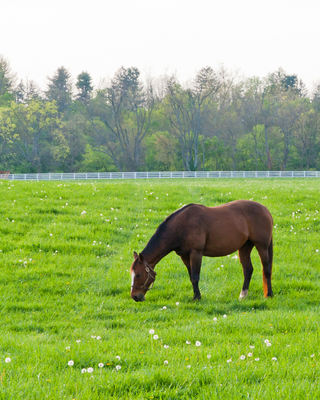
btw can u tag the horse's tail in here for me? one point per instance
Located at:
(270, 256)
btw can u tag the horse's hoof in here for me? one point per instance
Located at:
(196, 298)
(243, 294)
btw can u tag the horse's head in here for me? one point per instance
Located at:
(143, 276)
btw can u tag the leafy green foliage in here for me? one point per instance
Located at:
(215, 122)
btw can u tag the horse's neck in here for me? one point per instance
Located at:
(154, 254)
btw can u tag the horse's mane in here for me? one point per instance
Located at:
(161, 230)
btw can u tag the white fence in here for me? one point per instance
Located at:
(164, 175)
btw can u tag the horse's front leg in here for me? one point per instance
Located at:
(195, 264)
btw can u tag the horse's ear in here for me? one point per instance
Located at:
(141, 258)
(135, 255)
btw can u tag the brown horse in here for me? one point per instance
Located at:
(195, 231)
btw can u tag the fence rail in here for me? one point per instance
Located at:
(162, 175)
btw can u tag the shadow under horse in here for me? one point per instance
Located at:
(195, 231)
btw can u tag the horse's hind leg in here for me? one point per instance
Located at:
(266, 256)
(244, 255)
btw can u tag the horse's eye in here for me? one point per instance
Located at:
(138, 275)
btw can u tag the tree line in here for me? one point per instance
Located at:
(217, 121)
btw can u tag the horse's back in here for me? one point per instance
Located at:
(224, 229)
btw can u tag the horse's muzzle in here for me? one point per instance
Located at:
(138, 297)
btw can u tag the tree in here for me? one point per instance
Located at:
(60, 89)
(84, 86)
(121, 118)
(7, 81)
(26, 91)
(33, 133)
(187, 110)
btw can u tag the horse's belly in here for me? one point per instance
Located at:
(220, 248)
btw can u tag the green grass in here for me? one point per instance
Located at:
(64, 276)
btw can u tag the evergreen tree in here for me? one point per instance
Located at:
(84, 86)
(60, 89)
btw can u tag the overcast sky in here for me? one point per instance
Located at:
(160, 36)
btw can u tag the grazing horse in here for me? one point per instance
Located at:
(194, 231)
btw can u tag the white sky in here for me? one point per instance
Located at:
(159, 36)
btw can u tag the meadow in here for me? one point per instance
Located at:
(69, 329)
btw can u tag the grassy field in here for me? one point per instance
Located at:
(65, 255)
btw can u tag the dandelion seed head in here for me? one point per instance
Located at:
(90, 370)
(7, 360)
(101, 365)
(151, 331)
(118, 367)
(70, 363)
(242, 357)
(155, 337)
(166, 362)
(83, 370)
(198, 343)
